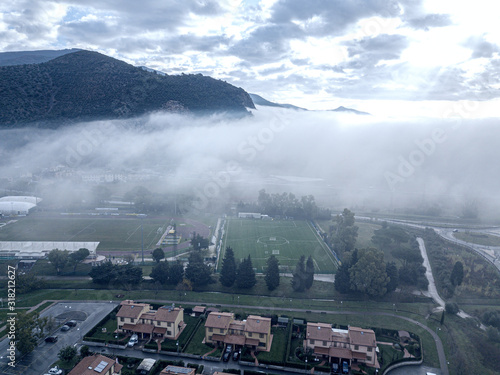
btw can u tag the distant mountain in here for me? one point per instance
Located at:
(86, 85)
(259, 100)
(349, 110)
(31, 57)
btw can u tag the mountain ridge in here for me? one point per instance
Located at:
(86, 85)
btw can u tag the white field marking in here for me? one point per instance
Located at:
(323, 246)
(131, 234)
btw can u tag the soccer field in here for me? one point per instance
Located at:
(114, 234)
(286, 239)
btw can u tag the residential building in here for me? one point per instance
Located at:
(255, 332)
(97, 364)
(354, 345)
(140, 318)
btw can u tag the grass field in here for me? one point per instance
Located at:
(286, 239)
(114, 234)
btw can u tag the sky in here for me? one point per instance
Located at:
(409, 58)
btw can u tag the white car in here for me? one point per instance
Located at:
(55, 371)
(133, 340)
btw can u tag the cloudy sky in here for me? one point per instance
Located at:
(390, 58)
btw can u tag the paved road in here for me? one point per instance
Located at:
(432, 290)
(87, 314)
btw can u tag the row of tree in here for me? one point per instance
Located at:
(61, 258)
(286, 205)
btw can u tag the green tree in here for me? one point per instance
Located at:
(67, 353)
(369, 274)
(28, 282)
(272, 276)
(451, 308)
(85, 351)
(343, 279)
(345, 232)
(29, 329)
(199, 242)
(158, 255)
(309, 273)
(76, 257)
(59, 259)
(228, 269)
(457, 274)
(392, 271)
(245, 276)
(197, 271)
(176, 273)
(102, 274)
(128, 274)
(160, 273)
(299, 275)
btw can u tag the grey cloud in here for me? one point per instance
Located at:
(481, 47)
(367, 52)
(430, 20)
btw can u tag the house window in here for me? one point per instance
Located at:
(132, 320)
(210, 338)
(312, 342)
(261, 335)
(335, 344)
(249, 334)
(221, 330)
(324, 343)
(169, 324)
(122, 319)
(368, 358)
(370, 349)
(210, 329)
(356, 347)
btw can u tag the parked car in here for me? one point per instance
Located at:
(65, 328)
(55, 371)
(133, 340)
(51, 339)
(236, 355)
(226, 356)
(229, 348)
(71, 323)
(335, 368)
(345, 367)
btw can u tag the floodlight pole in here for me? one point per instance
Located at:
(142, 241)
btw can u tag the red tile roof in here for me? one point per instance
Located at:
(361, 336)
(257, 324)
(219, 320)
(87, 365)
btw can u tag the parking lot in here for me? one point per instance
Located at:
(86, 315)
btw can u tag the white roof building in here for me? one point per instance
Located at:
(40, 249)
(17, 205)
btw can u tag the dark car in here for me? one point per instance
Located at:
(236, 356)
(51, 339)
(71, 323)
(65, 328)
(226, 356)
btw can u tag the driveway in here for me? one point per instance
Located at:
(87, 315)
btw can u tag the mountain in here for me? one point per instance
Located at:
(349, 110)
(259, 100)
(32, 57)
(84, 85)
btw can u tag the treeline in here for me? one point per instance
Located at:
(286, 205)
(365, 271)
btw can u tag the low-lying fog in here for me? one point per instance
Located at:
(344, 160)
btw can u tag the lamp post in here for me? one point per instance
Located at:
(177, 344)
(306, 365)
(437, 329)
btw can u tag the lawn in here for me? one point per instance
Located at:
(478, 238)
(278, 347)
(124, 233)
(171, 345)
(286, 239)
(196, 345)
